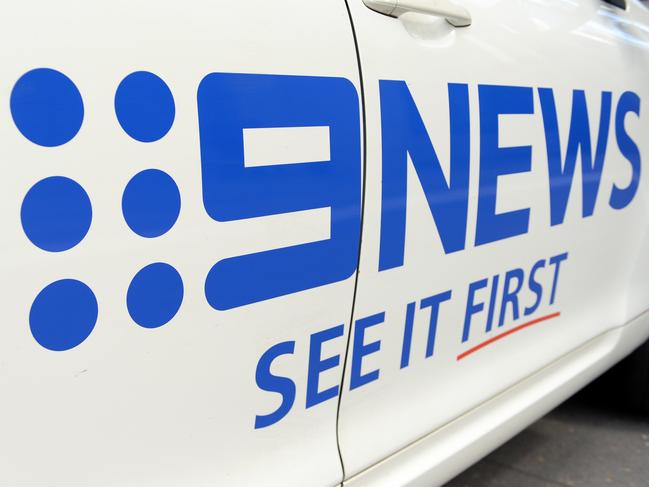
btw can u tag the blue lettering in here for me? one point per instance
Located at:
(492, 302)
(407, 335)
(317, 366)
(497, 161)
(556, 262)
(229, 103)
(471, 307)
(621, 197)
(511, 296)
(561, 175)
(535, 287)
(433, 303)
(403, 133)
(273, 383)
(361, 350)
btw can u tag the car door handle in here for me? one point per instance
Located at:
(454, 14)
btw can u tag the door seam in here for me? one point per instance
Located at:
(360, 239)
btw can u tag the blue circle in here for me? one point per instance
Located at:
(46, 107)
(151, 203)
(155, 295)
(144, 106)
(56, 214)
(63, 315)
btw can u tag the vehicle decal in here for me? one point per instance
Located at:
(57, 213)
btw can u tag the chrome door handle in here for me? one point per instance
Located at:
(454, 14)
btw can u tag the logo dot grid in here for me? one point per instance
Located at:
(56, 213)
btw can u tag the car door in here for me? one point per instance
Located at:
(181, 209)
(505, 213)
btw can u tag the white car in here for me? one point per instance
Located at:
(312, 243)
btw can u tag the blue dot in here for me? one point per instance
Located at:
(56, 214)
(155, 295)
(63, 315)
(46, 107)
(151, 203)
(144, 106)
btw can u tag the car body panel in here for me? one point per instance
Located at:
(428, 364)
(177, 404)
(255, 243)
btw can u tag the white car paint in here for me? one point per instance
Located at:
(174, 405)
(549, 44)
(188, 403)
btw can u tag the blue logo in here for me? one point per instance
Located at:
(56, 214)
(47, 107)
(229, 103)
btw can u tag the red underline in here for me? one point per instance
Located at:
(508, 332)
